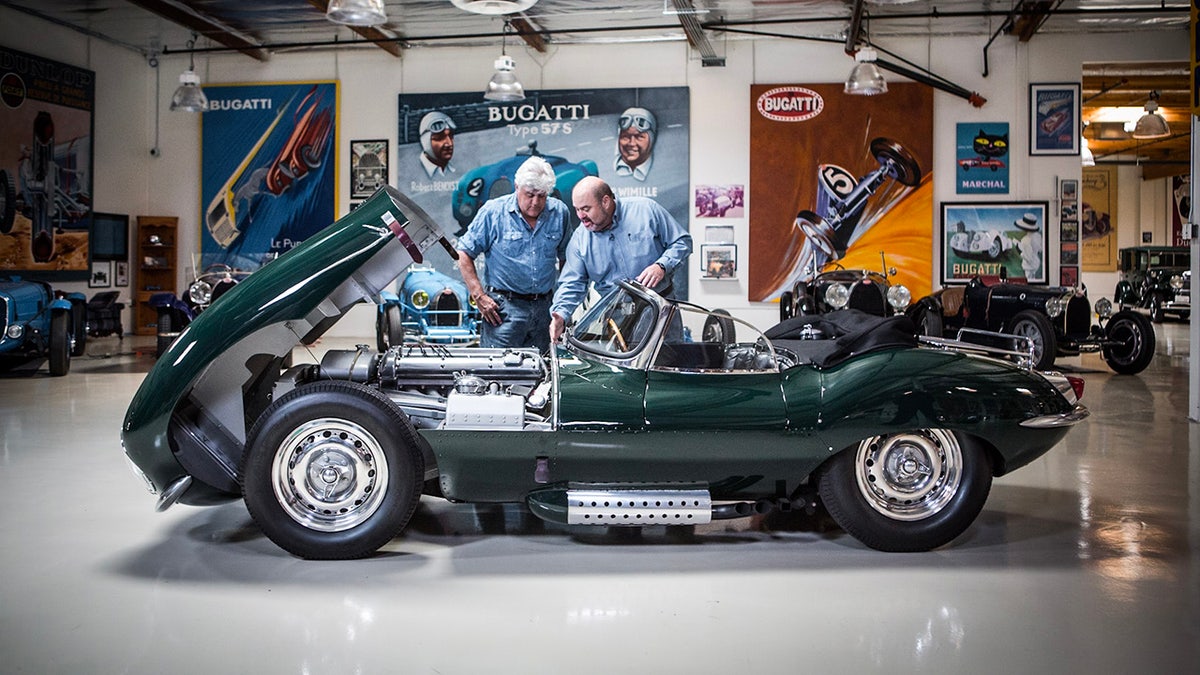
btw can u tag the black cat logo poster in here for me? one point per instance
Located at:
(982, 153)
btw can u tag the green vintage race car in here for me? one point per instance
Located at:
(634, 420)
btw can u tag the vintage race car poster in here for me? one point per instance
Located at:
(1098, 219)
(268, 169)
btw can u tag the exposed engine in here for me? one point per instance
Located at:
(440, 387)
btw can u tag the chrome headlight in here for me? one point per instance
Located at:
(15, 331)
(1104, 308)
(898, 296)
(420, 299)
(837, 295)
(200, 292)
(1176, 281)
(1055, 307)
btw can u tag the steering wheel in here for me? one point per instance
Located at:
(616, 335)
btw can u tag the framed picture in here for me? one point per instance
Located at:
(720, 261)
(101, 275)
(994, 239)
(1054, 118)
(1068, 276)
(1069, 253)
(368, 167)
(720, 201)
(122, 272)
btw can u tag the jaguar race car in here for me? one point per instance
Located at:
(628, 422)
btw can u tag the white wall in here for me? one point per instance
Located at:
(129, 180)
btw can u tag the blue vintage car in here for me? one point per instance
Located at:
(628, 422)
(37, 323)
(428, 307)
(496, 180)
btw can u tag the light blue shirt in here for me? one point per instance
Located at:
(520, 259)
(642, 233)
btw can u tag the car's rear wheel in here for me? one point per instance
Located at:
(785, 305)
(332, 471)
(718, 327)
(1129, 342)
(1035, 326)
(1156, 311)
(60, 342)
(927, 319)
(166, 333)
(911, 491)
(79, 331)
(389, 328)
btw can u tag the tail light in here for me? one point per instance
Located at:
(1076, 385)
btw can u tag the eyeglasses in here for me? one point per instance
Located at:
(438, 126)
(639, 122)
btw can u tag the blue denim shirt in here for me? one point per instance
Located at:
(642, 233)
(519, 258)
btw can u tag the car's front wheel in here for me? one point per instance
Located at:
(1035, 326)
(332, 471)
(911, 491)
(718, 327)
(60, 342)
(389, 328)
(1129, 342)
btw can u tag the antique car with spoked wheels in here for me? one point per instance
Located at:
(1056, 319)
(175, 313)
(865, 290)
(38, 324)
(628, 422)
(428, 307)
(1156, 279)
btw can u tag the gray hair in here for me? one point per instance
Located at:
(536, 174)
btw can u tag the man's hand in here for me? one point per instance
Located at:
(488, 309)
(651, 276)
(557, 327)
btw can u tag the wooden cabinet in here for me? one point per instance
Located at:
(155, 268)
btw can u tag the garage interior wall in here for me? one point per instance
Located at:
(129, 121)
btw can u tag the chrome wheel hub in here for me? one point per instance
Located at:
(329, 475)
(909, 476)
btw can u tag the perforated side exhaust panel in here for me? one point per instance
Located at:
(638, 507)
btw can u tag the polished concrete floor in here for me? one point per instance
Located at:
(1084, 562)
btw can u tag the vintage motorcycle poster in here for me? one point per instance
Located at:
(456, 150)
(268, 169)
(839, 180)
(46, 131)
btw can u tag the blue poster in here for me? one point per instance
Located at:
(268, 170)
(455, 151)
(982, 153)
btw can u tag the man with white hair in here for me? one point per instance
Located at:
(636, 130)
(524, 236)
(437, 143)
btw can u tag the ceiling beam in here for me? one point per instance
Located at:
(1029, 17)
(531, 34)
(382, 40)
(204, 25)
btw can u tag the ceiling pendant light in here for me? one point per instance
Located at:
(189, 97)
(1151, 124)
(1086, 156)
(494, 6)
(865, 79)
(356, 12)
(504, 85)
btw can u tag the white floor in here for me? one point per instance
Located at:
(1084, 562)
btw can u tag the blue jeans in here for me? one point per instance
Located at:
(524, 323)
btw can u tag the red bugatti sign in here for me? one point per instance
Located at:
(790, 104)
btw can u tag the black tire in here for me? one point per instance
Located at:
(389, 328)
(1156, 311)
(342, 432)
(79, 327)
(1036, 326)
(60, 342)
(8, 202)
(927, 319)
(785, 305)
(718, 327)
(1129, 338)
(867, 492)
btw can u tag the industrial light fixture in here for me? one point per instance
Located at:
(865, 79)
(1151, 124)
(504, 85)
(1086, 156)
(189, 97)
(494, 6)
(356, 12)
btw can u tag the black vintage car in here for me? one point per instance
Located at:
(1153, 278)
(865, 290)
(1057, 321)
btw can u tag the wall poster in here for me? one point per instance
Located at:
(368, 167)
(994, 239)
(857, 170)
(1054, 119)
(46, 130)
(268, 174)
(1098, 219)
(1180, 207)
(456, 150)
(982, 153)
